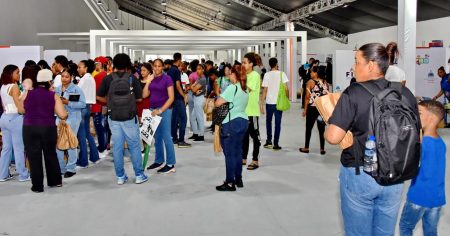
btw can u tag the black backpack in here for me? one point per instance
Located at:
(396, 127)
(121, 99)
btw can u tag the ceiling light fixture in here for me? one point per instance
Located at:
(108, 10)
(164, 12)
(99, 2)
(219, 12)
(163, 2)
(345, 6)
(228, 3)
(115, 18)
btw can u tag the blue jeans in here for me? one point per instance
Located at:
(231, 137)
(100, 130)
(164, 139)
(126, 131)
(271, 109)
(84, 133)
(74, 123)
(179, 120)
(11, 125)
(412, 213)
(198, 116)
(190, 107)
(367, 207)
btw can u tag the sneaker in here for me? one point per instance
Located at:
(268, 144)
(167, 169)
(81, 167)
(10, 177)
(25, 180)
(276, 148)
(200, 139)
(155, 166)
(184, 145)
(122, 180)
(226, 187)
(194, 136)
(239, 183)
(175, 141)
(141, 179)
(69, 174)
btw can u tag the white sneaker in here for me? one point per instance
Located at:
(10, 177)
(122, 180)
(81, 167)
(25, 180)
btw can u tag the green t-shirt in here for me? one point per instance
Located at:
(239, 102)
(223, 82)
(254, 83)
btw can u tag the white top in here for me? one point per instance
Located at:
(272, 82)
(87, 84)
(395, 74)
(8, 102)
(57, 81)
(184, 79)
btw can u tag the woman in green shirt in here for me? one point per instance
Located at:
(234, 127)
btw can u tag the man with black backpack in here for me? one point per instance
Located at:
(388, 114)
(120, 91)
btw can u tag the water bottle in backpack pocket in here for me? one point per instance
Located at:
(370, 156)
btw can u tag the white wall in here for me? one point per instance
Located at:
(18, 55)
(426, 31)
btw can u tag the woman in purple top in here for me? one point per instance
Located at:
(159, 87)
(39, 131)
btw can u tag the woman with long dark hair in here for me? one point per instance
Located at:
(316, 87)
(234, 127)
(11, 123)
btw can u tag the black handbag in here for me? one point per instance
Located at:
(220, 113)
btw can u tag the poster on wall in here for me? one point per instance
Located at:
(428, 60)
(343, 69)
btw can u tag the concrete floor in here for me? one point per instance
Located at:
(290, 194)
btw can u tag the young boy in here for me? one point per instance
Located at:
(426, 194)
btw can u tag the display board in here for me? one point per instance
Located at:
(428, 60)
(18, 55)
(343, 61)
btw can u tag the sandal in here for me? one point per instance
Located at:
(304, 150)
(244, 162)
(253, 166)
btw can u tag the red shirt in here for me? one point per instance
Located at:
(97, 107)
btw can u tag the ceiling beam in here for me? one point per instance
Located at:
(322, 30)
(302, 12)
(259, 7)
(204, 14)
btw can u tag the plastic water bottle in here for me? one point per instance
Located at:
(370, 156)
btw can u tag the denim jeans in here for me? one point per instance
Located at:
(271, 110)
(198, 116)
(11, 125)
(126, 131)
(74, 123)
(191, 108)
(367, 207)
(100, 130)
(231, 137)
(412, 213)
(179, 119)
(84, 133)
(163, 139)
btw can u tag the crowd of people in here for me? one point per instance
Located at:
(114, 92)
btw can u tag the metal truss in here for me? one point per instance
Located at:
(177, 24)
(320, 29)
(299, 16)
(209, 18)
(261, 8)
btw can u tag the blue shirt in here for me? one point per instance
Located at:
(428, 188)
(175, 74)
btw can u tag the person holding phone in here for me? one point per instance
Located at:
(74, 101)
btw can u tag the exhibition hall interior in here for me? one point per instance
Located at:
(198, 117)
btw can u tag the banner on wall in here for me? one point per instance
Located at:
(428, 60)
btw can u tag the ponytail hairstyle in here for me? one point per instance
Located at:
(241, 78)
(376, 52)
(393, 52)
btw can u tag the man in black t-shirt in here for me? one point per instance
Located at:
(179, 117)
(367, 207)
(124, 130)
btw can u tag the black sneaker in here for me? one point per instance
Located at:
(167, 169)
(175, 141)
(200, 139)
(226, 187)
(268, 145)
(276, 148)
(184, 145)
(239, 183)
(194, 136)
(155, 166)
(69, 174)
